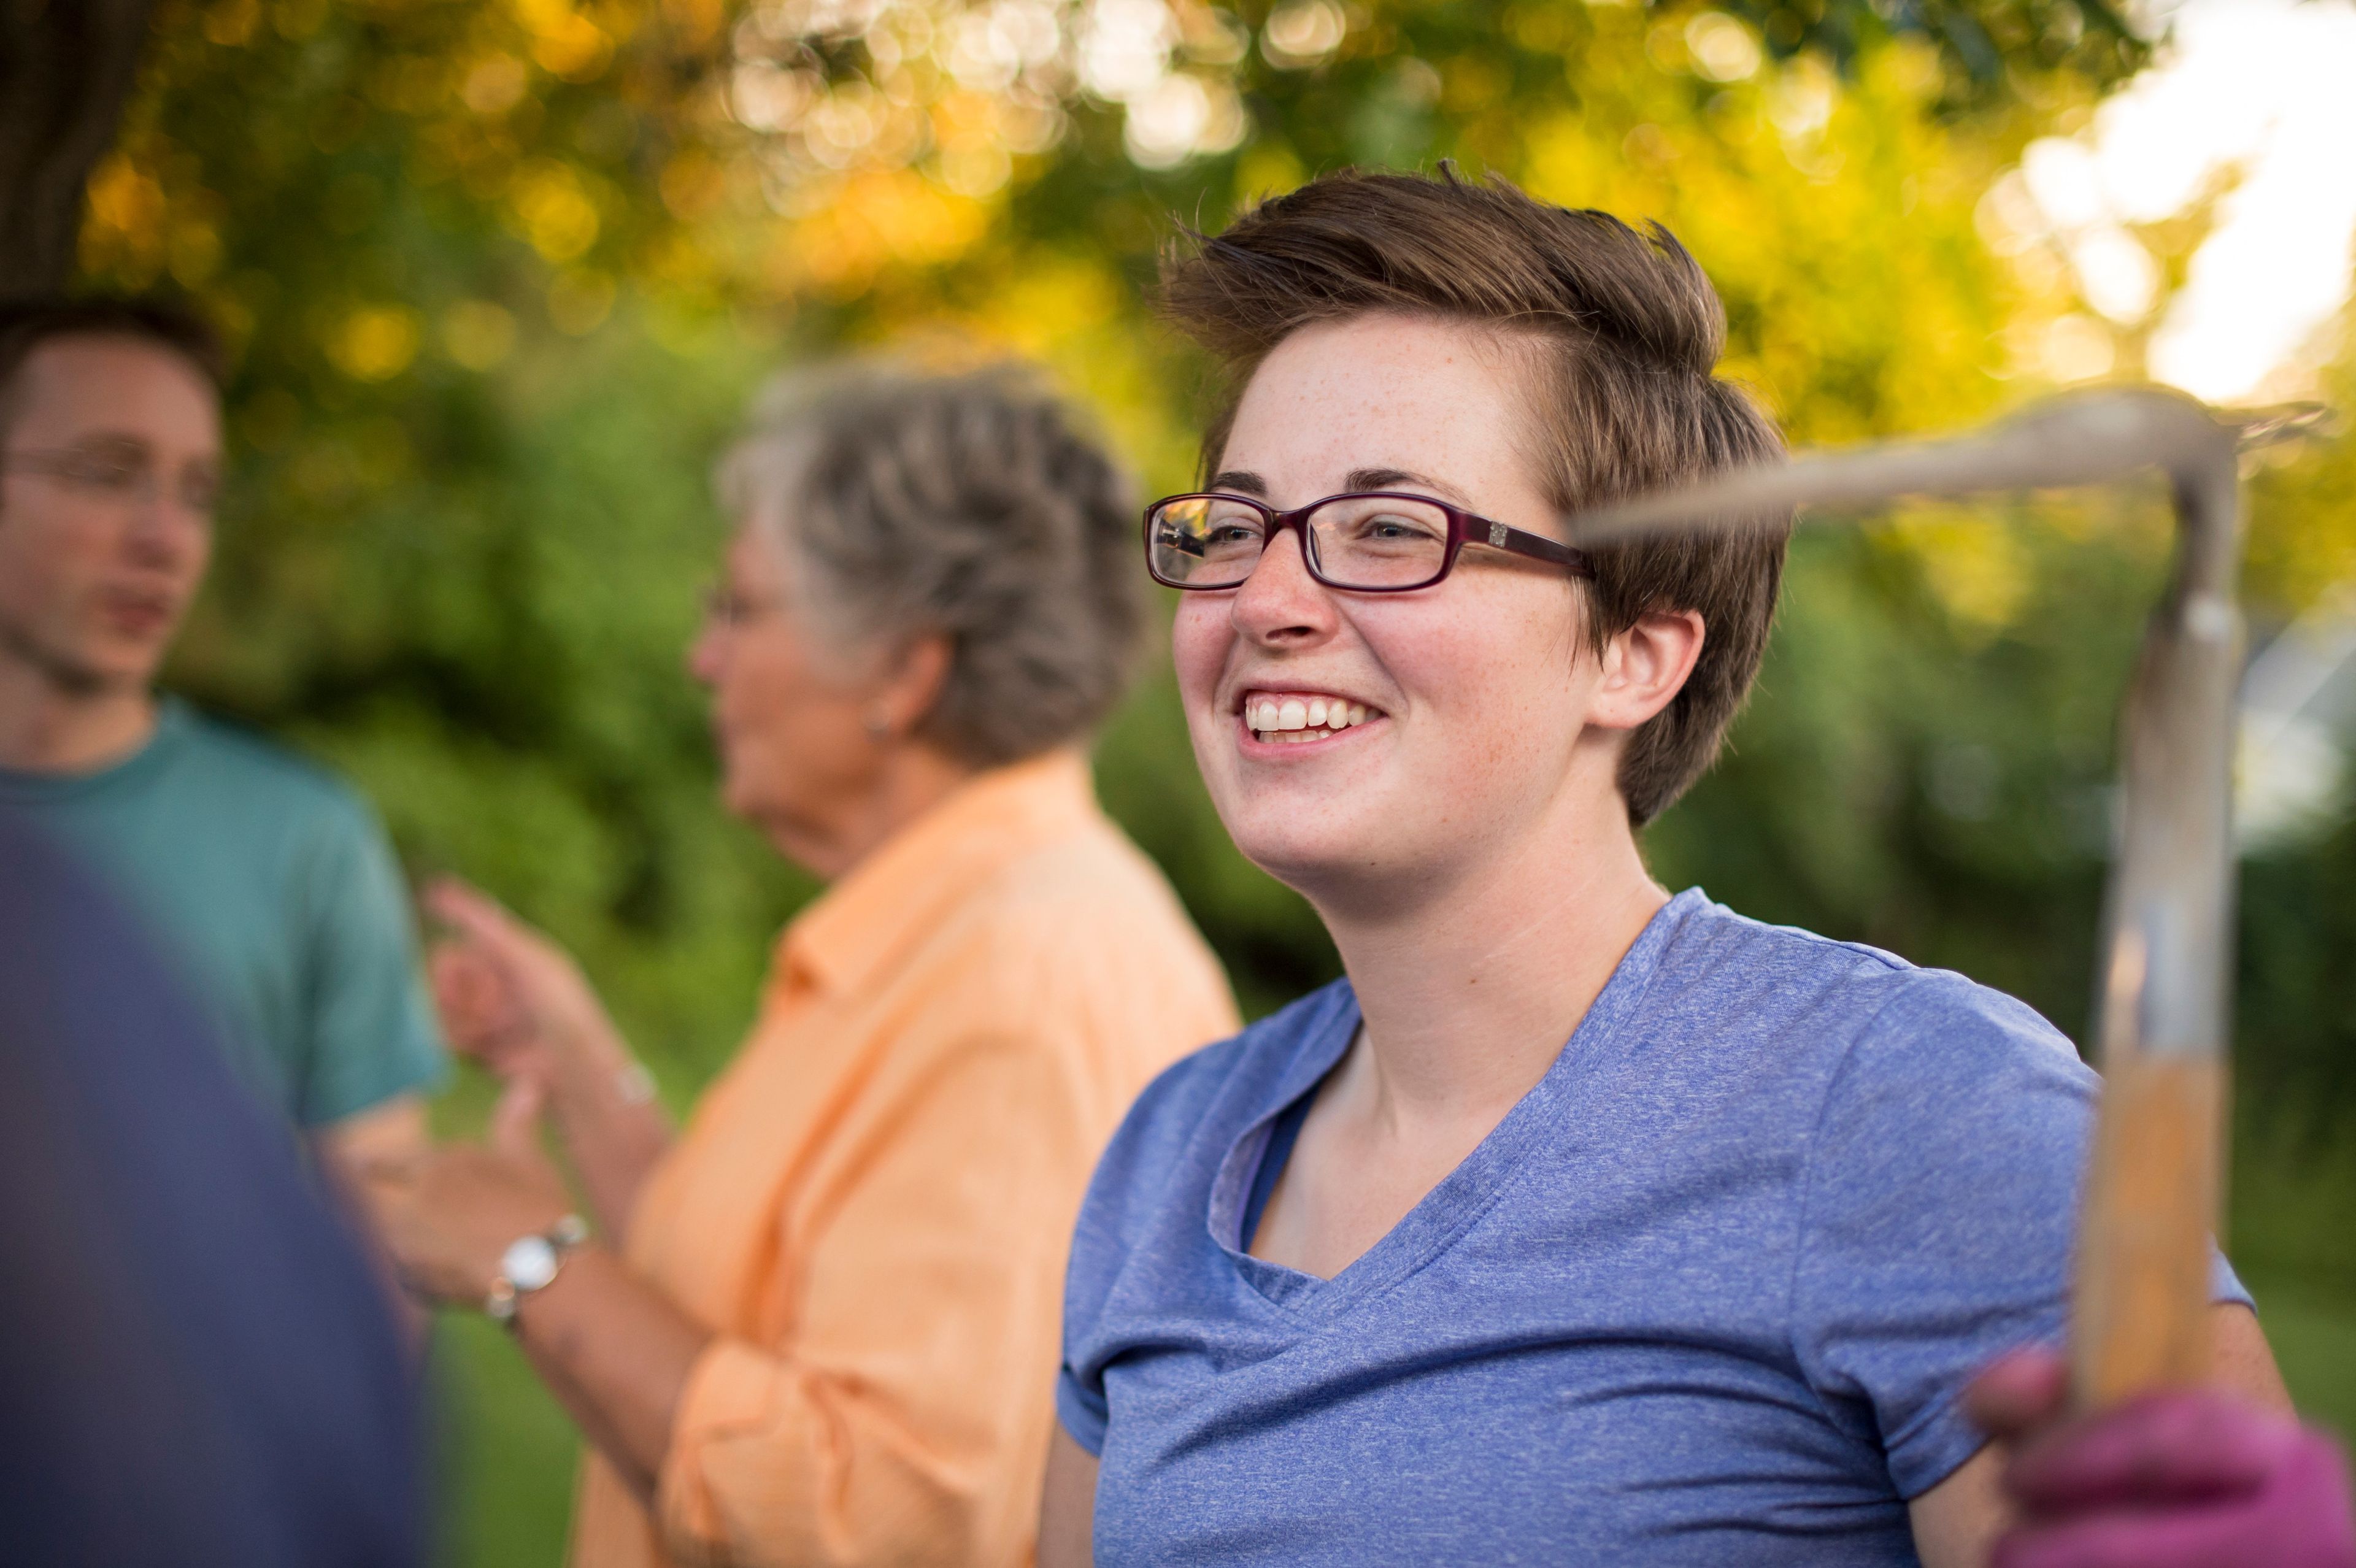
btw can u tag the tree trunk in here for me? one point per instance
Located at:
(66, 66)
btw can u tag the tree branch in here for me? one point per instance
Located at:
(66, 67)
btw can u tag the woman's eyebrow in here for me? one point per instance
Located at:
(1391, 478)
(1240, 479)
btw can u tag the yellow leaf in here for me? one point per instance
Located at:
(374, 343)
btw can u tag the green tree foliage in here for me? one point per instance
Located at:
(501, 270)
(500, 273)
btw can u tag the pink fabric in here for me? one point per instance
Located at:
(2193, 1479)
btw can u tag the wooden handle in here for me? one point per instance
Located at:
(2142, 1310)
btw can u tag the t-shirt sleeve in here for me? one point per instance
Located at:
(1940, 1210)
(1082, 1410)
(371, 1033)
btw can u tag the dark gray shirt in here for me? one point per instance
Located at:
(197, 1366)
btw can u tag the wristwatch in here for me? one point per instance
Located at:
(528, 1265)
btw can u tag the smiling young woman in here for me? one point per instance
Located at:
(1579, 1223)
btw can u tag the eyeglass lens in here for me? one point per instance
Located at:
(1354, 541)
(125, 473)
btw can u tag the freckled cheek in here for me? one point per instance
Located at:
(1199, 644)
(1488, 686)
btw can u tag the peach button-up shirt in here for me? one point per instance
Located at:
(870, 1208)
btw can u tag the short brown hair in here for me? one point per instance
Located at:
(976, 506)
(1628, 399)
(27, 324)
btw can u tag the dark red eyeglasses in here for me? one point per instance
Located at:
(1372, 542)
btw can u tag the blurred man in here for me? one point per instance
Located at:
(195, 1369)
(269, 884)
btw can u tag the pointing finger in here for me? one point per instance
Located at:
(470, 910)
(515, 1121)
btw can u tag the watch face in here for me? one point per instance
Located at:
(529, 1263)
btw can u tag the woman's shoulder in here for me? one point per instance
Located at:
(1063, 953)
(1085, 923)
(1255, 1060)
(1178, 1128)
(1089, 883)
(1861, 1064)
(1145, 1204)
(1830, 1045)
(1841, 997)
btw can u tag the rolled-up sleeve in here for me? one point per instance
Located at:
(878, 1427)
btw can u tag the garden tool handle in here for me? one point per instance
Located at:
(2140, 1312)
(2140, 1316)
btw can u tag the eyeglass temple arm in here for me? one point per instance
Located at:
(1480, 530)
(2140, 1310)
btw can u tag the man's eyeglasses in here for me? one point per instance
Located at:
(1376, 542)
(122, 476)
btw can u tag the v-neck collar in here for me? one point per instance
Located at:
(1463, 1194)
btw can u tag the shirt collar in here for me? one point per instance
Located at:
(172, 721)
(913, 878)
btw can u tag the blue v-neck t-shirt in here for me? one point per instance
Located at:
(1710, 1294)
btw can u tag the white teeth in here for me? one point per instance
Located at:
(1290, 717)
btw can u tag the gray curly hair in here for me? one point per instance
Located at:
(974, 506)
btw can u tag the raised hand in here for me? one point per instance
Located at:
(516, 1002)
(509, 998)
(2188, 1478)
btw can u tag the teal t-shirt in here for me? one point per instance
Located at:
(272, 886)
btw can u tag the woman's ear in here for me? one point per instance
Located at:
(1644, 668)
(912, 685)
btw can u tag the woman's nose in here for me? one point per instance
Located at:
(1279, 602)
(703, 657)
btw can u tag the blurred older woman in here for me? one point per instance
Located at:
(821, 1325)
